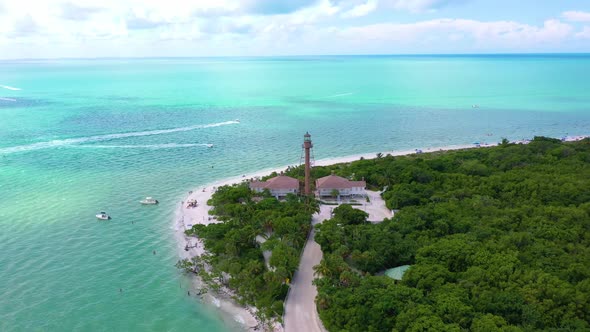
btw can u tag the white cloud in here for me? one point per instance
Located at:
(361, 9)
(358, 8)
(417, 6)
(576, 16)
(77, 12)
(24, 26)
(32, 28)
(496, 34)
(584, 34)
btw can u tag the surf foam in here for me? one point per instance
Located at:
(148, 146)
(339, 95)
(108, 137)
(10, 87)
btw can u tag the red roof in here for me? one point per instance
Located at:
(278, 182)
(337, 182)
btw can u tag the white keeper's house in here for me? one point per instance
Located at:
(346, 188)
(279, 186)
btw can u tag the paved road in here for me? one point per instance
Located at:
(301, 314)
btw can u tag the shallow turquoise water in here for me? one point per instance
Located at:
(87, 135)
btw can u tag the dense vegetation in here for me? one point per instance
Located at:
(498, 239)
(235, 257)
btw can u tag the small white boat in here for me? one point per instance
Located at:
(149, 201)
(103, 216)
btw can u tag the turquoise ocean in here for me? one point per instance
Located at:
(81, 136)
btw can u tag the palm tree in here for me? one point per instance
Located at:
(322, 269)
(322, 301)
(335, 193)
(268, 225)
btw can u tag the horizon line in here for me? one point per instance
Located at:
(300, 56)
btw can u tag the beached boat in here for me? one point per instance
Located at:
(149, 201)
(103, 216)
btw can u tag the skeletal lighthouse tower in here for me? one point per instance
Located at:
(307, 147)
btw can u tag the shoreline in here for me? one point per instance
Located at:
(186, 217)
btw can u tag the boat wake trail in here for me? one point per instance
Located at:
(148, 146)
(108, 137)
(10, 88)
(338, 95)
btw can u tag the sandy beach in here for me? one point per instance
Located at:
(186, 217)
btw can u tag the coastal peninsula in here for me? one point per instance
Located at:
(403, 183)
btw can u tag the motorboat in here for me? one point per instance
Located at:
(103, 216)
(149, 201)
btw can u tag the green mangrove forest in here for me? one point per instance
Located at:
(497, 239)
(252, 224)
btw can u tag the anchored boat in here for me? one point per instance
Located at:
(103, 216)
(149, 201)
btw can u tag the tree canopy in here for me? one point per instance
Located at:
(498, 239)
(235, 257)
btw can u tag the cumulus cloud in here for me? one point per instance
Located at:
(576, 16)
(420, 5)
(226, 25)
(251, 27)
(358, 8)
(25, 26)
(272, 7)
(362, 9)
(76, 12)
(135, 22)
(496, 34)
(584, 34)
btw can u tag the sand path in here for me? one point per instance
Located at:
(375, 208)
(301, 313)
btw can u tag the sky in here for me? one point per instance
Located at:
(157, 28)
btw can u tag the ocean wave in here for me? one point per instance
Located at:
(339, 95)
(108, 137)
(7, 99)
(147, 146)
(10, 88)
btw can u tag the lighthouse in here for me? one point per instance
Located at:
(307, 145)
